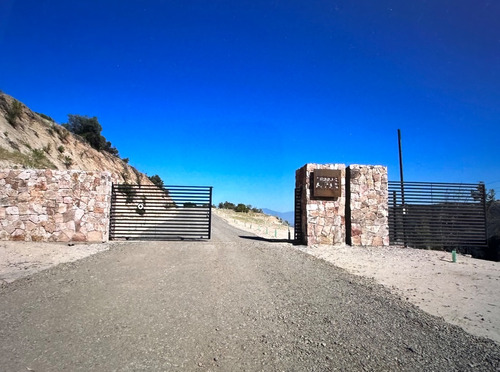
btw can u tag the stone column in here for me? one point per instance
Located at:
(323, 218)
(368, 205)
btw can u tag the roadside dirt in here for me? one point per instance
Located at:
(21, 259)
(464, 293)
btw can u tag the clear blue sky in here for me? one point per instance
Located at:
(239, 94)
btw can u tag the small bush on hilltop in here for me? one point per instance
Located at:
(46, 117)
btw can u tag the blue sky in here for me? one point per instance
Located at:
(240, 94)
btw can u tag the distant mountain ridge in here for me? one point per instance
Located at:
(285, 216)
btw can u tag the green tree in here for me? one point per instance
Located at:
(156, 180)
(90, 130)
(227, 205)
(87, 128)
(241, 208)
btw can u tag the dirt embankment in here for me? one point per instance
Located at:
(32, 140)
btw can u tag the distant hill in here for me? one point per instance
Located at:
(286, 216)
(33, 140)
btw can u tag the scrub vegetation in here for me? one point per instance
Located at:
(242, 208)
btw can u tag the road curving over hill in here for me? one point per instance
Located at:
(234, 303)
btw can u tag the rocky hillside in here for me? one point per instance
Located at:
(32, 140)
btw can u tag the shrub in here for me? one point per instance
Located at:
(125, 160)
(109, 148)
(14, 112)
(68, 162)
(227, 205)
(57, 129)
(37, 159)
(47, 148)
(156, 180)
(241, 208)
(60, 149)
(37, 154)
(63, 135)
(89, 129)
(46, 117)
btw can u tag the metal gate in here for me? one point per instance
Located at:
(297, 227)
(437, 215)
(149, 212)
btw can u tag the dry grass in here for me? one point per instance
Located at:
(258, 223)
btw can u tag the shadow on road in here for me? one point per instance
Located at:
(266, 239)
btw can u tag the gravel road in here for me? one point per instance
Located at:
(234, 303)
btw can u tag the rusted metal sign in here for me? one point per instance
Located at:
(327, 183)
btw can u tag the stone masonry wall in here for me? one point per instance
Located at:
(368, 205)
(323, 221)
(358, 217)
(50, 205)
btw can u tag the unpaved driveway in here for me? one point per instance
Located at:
(233, 303)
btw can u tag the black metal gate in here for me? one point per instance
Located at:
(297, 226)
(437, 215)
(148, 212)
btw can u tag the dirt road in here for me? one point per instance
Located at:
(235, 303)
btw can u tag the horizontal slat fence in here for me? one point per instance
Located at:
(297, 227)
(148, 212)
(437, 215)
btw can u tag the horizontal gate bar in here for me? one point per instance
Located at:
(437, 214)
(152, 212)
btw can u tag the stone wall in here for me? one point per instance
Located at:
(368, 202)
(359, 216)
(50, 205)
(323, 220)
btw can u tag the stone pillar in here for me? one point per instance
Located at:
(368, 205)
(323, 218)
(355, 214)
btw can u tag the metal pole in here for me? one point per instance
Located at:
(401, 166)
(402, 184)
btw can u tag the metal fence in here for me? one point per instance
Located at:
(297, 226)
(438, 215)
(149, 212)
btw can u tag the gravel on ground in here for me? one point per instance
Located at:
(236, 302)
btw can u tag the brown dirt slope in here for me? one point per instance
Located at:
(28, 140)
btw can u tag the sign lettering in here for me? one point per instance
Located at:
(327, 183)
